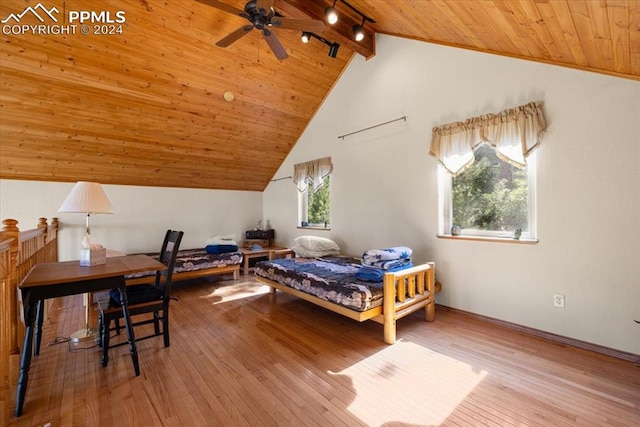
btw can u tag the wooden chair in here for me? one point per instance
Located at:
(142, 299)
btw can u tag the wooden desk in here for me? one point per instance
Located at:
(248, 254)
(57, 279)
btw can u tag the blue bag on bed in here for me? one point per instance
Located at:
(220, 249)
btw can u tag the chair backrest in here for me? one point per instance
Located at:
(168, 253)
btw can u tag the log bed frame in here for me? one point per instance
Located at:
(404, 292)
(186, 275)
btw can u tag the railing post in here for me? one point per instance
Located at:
(52, 235)
(42, 223)
(41, 254)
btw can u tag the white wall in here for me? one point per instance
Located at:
(384, 184)
(142, 214)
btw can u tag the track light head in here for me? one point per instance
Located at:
(333, 49)
(331, 15)
(358, 32)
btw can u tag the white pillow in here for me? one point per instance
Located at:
(307, 253)
(317, 244)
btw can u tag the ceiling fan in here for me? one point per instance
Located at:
(261, 15)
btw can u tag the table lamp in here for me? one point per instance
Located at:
(87, 198)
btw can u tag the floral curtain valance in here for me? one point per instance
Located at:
(513, 133)
(315, 170)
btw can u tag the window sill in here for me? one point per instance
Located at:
(310, 227)
(489, 239)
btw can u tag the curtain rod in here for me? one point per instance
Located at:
(280, 179)
(374, 126)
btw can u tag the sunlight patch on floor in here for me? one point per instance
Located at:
(410, 384)
(228, 293)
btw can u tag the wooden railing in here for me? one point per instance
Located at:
(5, 403)
(19, 252)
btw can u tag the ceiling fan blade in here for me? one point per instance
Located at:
(311, 25)
(231, 37)
(265, 5)
(274, 44)
(223, 6)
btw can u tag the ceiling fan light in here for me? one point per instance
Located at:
(305, 37)
(358, 33)
(331, 15)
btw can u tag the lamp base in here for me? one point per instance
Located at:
(84, 335)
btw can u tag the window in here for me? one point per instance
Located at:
(313, 184)
(490, 198)
(487, 173)
(314, 208)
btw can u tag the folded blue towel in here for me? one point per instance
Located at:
(393, 253)
(220, 249)
(389, 264)
(371, 274)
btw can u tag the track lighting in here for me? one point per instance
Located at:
(358, 31)
(331, 14)
(333, 47)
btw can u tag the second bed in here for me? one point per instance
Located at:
(330, 282)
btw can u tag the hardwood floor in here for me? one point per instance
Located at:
(237, 359)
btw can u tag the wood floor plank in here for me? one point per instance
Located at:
(240, 357)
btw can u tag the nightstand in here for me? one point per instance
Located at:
(248, 254)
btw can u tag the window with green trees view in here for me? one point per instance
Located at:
(315, 206)
(491, 197)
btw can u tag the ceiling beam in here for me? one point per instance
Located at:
(341, 32)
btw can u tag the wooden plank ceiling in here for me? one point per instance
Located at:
(146, 107)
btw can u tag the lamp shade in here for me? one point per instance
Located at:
(86, 197)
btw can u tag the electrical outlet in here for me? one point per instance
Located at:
(558, 300)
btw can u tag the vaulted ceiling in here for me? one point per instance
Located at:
(147, 106)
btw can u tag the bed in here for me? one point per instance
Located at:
(330, 282)
(195, 263)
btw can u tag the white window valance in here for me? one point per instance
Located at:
(314, 170)
(512, 133)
